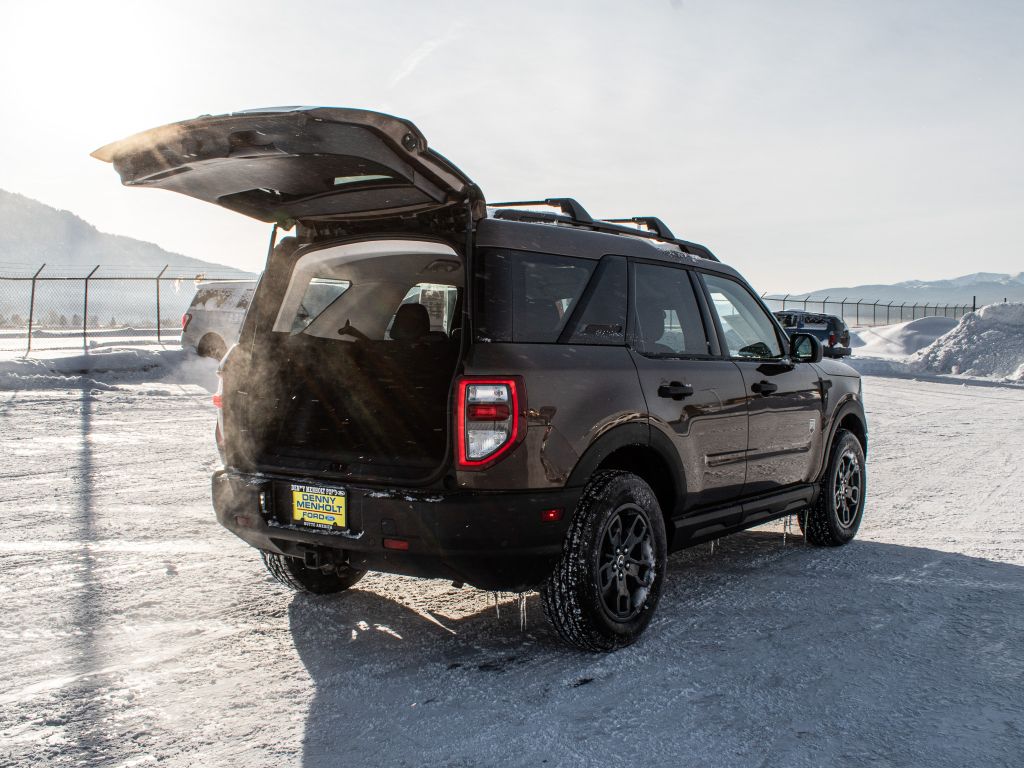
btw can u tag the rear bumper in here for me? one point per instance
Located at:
(492, 540)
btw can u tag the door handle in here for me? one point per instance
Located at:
(676, 390)
(764, 387)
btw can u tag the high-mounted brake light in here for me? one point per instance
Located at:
(489, 420)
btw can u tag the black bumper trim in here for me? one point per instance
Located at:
(492, 540)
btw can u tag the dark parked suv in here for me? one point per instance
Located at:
(497, 395)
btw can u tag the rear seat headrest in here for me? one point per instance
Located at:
(412, 321)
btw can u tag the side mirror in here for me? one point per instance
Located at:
(805, 348)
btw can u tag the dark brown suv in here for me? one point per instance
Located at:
(499, 395)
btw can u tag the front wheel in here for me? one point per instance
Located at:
(834, 518)
(294, 574)
(604, 589)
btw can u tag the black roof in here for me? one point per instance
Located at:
(582, 242)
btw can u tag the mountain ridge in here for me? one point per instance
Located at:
(33, 233)
(980, 287)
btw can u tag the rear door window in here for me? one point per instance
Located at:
(528, 297)
(667, 320)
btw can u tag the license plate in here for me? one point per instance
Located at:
(319, 507)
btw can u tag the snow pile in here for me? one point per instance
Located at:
(902, 338)
(100, 370)
(989, 342)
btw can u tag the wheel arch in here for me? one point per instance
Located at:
(849, 415)
(644, 452)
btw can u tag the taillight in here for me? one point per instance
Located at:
(218, 396)
(185, 320)
(489, 420)
(831, 339)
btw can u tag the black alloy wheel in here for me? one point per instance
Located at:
(606, 586)
(835, 516)
(626, 567)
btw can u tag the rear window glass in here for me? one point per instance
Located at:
(528, 297)
(211, 298)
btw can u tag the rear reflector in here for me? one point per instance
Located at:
(551, 515)
(399, 544)
(218, 400)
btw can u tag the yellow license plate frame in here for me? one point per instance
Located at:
(319, 507)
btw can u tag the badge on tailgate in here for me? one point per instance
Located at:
(319, 507)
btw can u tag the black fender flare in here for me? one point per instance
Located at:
(624, 436)
(849, 405)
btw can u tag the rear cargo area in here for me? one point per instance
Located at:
(353, 377)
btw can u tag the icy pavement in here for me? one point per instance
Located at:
(138, 632)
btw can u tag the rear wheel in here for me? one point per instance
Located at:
(834, 518)
(294, 574)
(604, 589)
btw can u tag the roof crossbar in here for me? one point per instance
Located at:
(653, 223)
(574, 214)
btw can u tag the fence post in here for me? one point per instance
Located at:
(823, 305)
(158, 341)
(32, 308)
(842, 309)
(974, 303)
(784, 302)
(806, 299)
(85, 310)
(888, 308)
(874, 313)
(857, 310)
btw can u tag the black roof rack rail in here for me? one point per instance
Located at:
(576, 215)
(567, 205)
(653, 223)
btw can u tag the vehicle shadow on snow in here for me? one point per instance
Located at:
(761, 653)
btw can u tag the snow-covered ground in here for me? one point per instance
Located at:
(136, 631)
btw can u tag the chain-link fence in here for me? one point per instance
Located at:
(74, 307)
(85, 307)
(862, 312)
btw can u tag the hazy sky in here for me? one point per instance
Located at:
(809, 144)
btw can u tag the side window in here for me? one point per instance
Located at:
(749, 332)
(602, 316)
(528, 297)
(439, 302)
(666, 317)
(320, 294)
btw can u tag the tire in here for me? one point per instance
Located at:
(834, 518)
(291, 572)
(616, 540)
(211, 345)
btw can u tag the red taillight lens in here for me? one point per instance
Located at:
(185, 320)
(831, 339)
(489, 420)
(487, 412)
